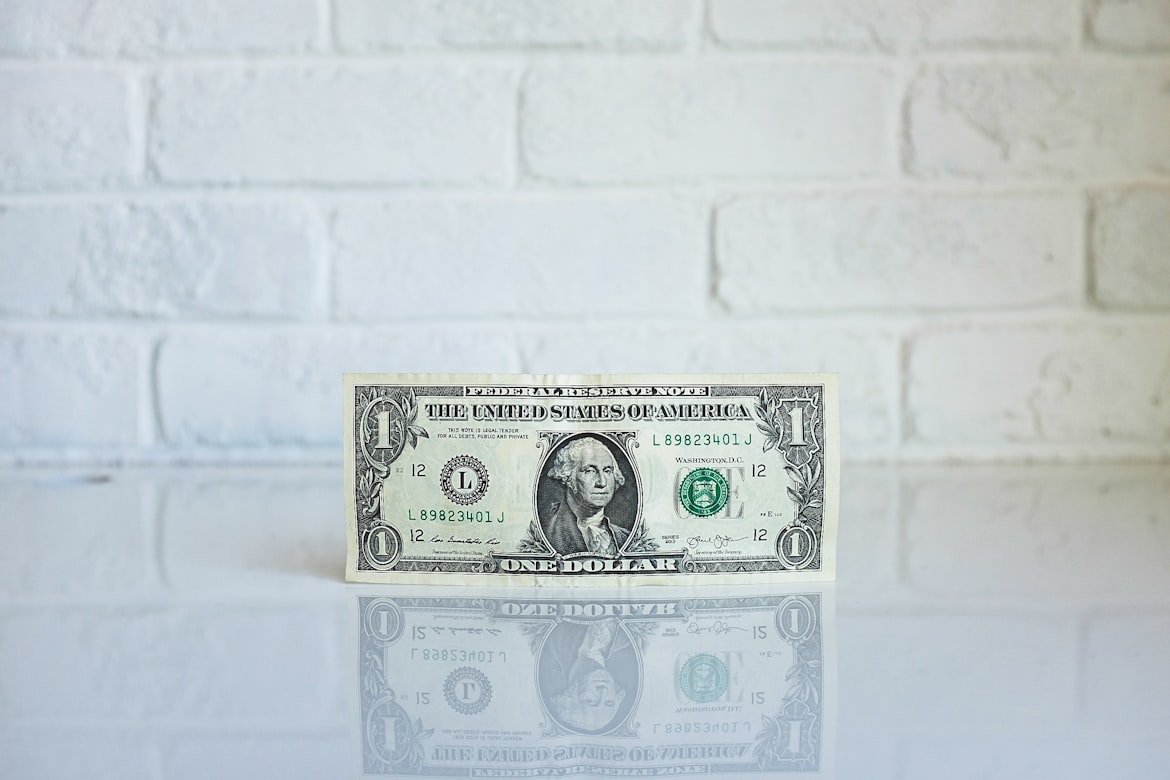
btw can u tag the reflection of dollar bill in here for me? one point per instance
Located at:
(591, 479)
(533, 687)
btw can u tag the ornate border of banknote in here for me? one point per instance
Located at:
(792, 417)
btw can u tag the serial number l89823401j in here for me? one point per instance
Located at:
(701, 440)
(454, 516)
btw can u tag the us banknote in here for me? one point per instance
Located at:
(661, 685)
(594, 479)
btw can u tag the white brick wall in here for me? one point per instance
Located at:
(940, 252)
(386, 25)
(895, 24)
(706, 119)
(210, 210)
(1131, 243)
(518, 256)
(207, 258)
(64, 128)
(154, 27)
(1130, 25)
(332, 124)
(1060, 120)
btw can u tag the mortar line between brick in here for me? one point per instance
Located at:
(326, 18)
(155, 397)
(1088, 266)
(1056, 315)
(703, 37)
(150, 167)
(1081, 44)
(537, 188)
(908, 73)
(794, 55)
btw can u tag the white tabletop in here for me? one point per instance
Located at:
(988, 622)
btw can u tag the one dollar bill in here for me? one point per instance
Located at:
(535, 685)
(591, 479)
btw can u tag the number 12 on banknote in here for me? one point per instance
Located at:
(475, 479)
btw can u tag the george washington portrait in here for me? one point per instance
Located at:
(587, 497)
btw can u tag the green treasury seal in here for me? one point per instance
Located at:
(703, 678)
(704, 492)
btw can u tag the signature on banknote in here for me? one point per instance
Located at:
(718, 541)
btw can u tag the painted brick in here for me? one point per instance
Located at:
(940, 670)
(896, 24)
(214, 537)
(1130, 25)
(667, 121)
(863, 354)
(372, 25)
(1123, 657)
(136, 259)
(45, 754)
(63, 127)
(1059, 120)
(1086, 533)
(148, 27)
(68, 388)
(73, 535)
(362, 124)
(1131, 248)
(278, 387)
(241, 756)
(1099, 385)
(777, 254)
(558, 257)
(221, 667)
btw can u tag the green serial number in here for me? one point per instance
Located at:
(701, 439)
(454, 516)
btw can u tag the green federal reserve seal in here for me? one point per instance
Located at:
(704, 492)
(703, 678)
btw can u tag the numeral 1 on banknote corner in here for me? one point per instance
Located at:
(382, 545)
(796, 545)
(797, 417)
(384, 429)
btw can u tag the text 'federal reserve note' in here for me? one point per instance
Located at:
(591, 479)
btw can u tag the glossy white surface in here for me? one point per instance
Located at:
(990, 622)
